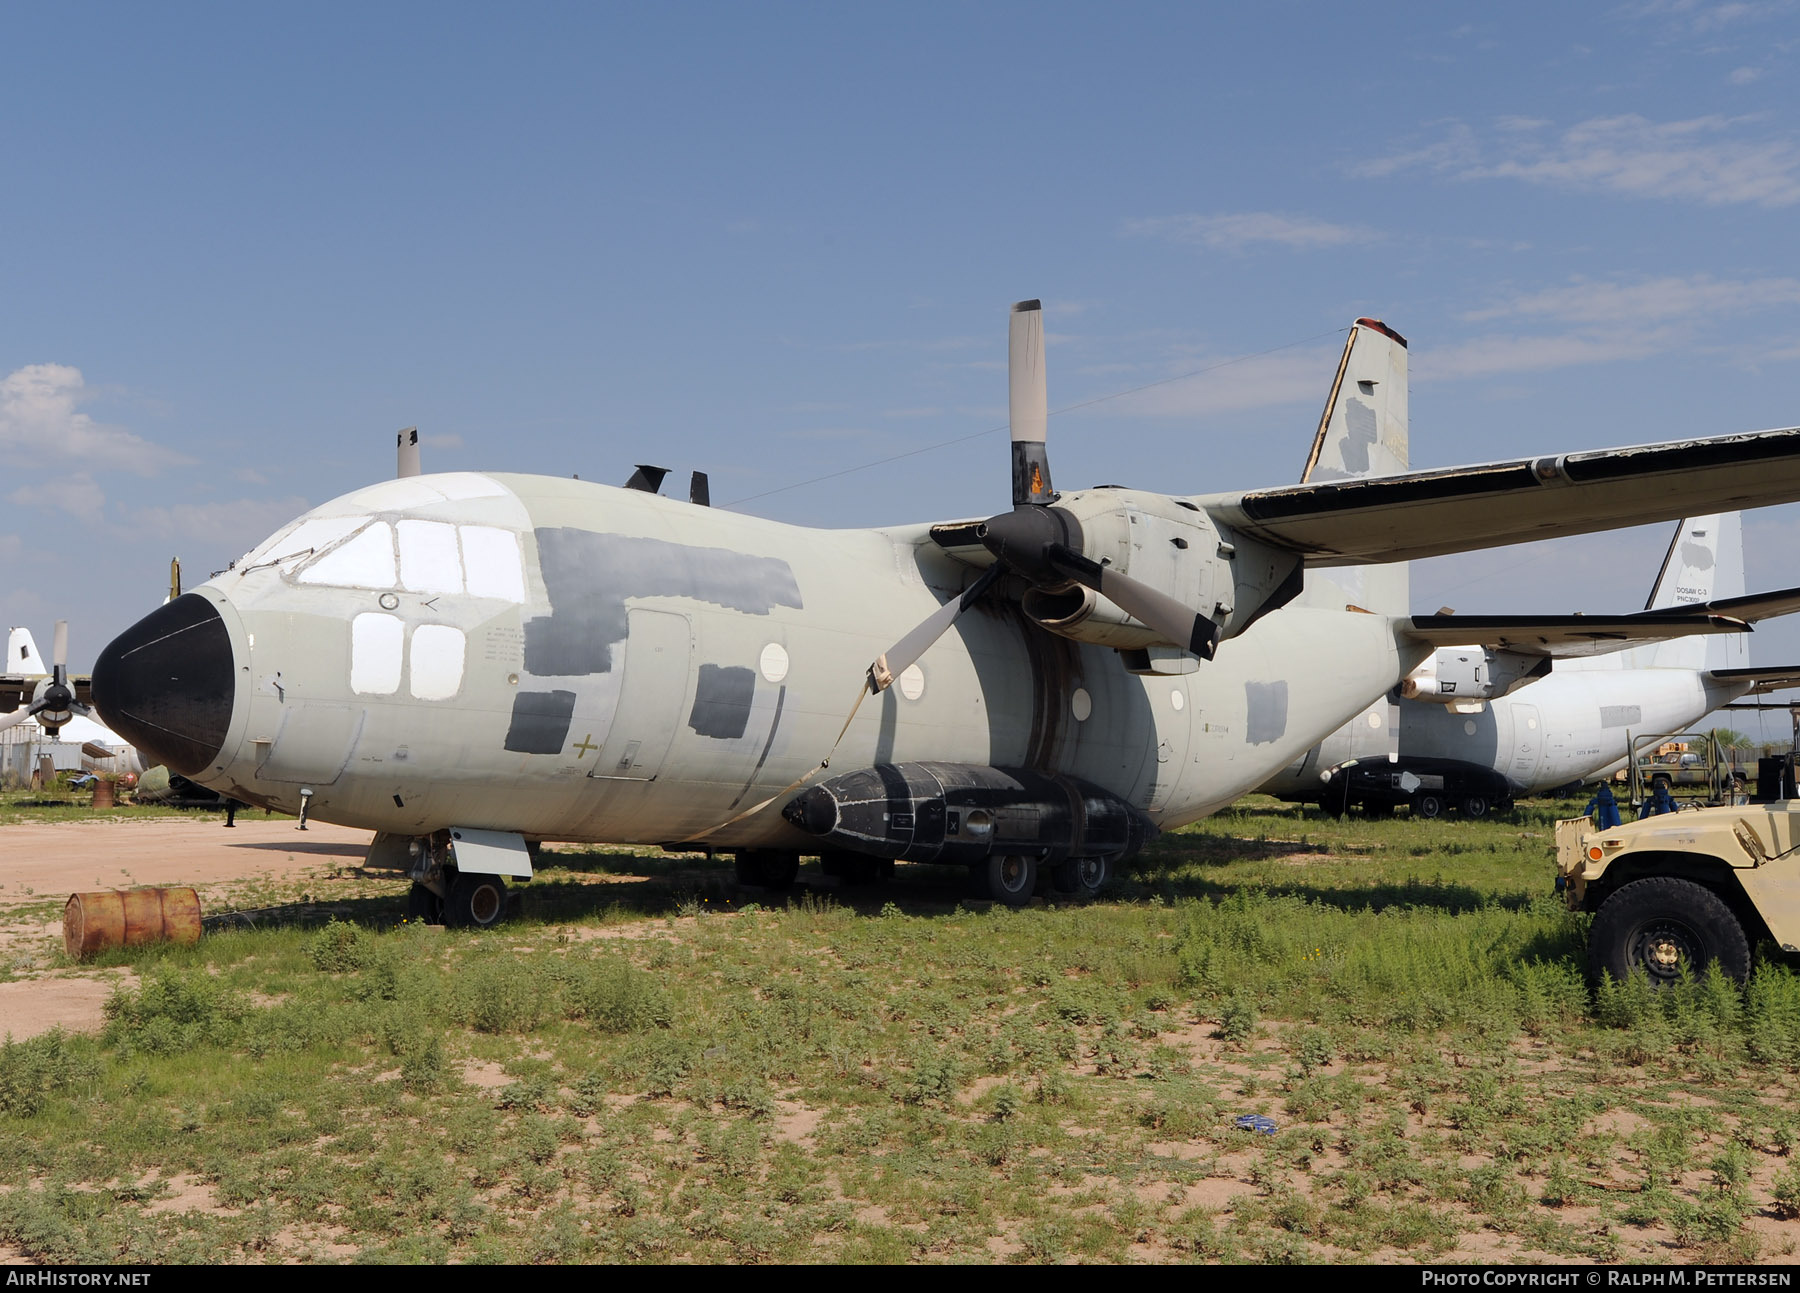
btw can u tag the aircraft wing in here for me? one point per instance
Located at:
(1762, 681)
(1457, 509)
(1565, 636)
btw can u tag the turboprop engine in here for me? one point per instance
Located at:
(1454, 675)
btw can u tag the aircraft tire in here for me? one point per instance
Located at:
(767, 868)
(475, 902)
(423, 907)
(1429, 805)
(1084, 877)
(1662, 925)
(1474, 806)
(1009, 878)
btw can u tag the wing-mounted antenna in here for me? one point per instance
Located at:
(407, 443)
(699, 493)
(647, 478)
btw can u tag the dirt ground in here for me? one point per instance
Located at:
(41, 864)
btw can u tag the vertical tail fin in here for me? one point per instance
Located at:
(1705, 562)
(1362, 433)
(22, 654)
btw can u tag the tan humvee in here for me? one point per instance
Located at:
(1677, 891)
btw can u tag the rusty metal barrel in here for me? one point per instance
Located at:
(93, 922)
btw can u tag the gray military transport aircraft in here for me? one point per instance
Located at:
(468, 663)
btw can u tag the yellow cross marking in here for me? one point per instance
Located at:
(584, 746)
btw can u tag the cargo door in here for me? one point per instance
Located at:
(652, 696)
(1527, 745)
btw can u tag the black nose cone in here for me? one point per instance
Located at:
(167, 683)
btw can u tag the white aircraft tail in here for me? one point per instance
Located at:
(1363, 433)
(1705, 562)
(22, 653)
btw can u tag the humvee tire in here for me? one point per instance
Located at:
(1660, 925)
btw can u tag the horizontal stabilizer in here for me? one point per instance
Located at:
(1459, 509)
(1565, 636)
(1773, 678)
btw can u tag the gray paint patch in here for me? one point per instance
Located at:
(722, 699)
(1697, 556)
(589, 576)
(1266, 711)
(540, 721)
(1621, 715)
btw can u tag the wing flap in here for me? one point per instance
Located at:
(1762, 681)
(1430, 513)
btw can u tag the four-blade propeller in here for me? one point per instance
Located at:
(55, 703)
(1039, 542)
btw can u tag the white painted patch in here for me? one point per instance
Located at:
(428, 560)
(495, 568)
(458, 485)
(1374, 719)
(366, 561)
(437, 661)
(1177, 699)
(1081, 705)
(375, 647)
(396, 495)
(774, 662)
(1469, 727)
(912, 682)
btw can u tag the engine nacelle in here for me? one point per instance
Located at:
(963, 813)
(1173, 546)
(1453, 675)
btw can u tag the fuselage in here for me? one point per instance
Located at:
(567, 660)
(1570, 726)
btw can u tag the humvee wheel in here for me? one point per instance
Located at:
(475, 901)
(1428, 805)
(1663, 926)
(1009, 878)
(1474, 806)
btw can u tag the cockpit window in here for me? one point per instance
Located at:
(366, 561)
(428, 559)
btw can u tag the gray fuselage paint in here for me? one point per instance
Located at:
(722, 699)
(588, 575)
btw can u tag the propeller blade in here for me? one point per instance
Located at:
(59, 650)
(900, 657)
(1028, 404)
(1179, 623)
(18, 716)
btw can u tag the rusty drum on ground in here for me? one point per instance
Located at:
(93, 922)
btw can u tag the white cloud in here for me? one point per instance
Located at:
(1267, 381)
(228, 527)
(39, 418)
(1234, 232)
(1490, 356)
(1652, 299)
(1703, 159)
(1744, 75)
(77, 495)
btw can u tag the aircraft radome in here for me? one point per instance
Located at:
(470, 662)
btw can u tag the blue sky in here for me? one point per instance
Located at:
(241, 246)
